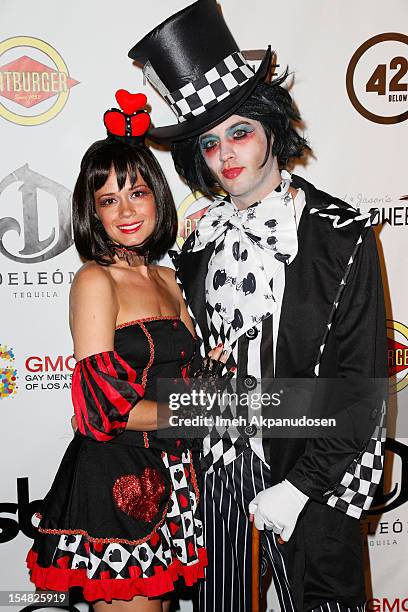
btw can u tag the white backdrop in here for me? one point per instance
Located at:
(60, 64)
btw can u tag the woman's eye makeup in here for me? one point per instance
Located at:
(140, 193)
(135, 194)
(106, 201)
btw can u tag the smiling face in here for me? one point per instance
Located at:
(128, 215)
(234, 151)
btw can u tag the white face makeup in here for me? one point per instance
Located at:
(127, 215)
(234, 151)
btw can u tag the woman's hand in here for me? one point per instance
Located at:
(212, 366)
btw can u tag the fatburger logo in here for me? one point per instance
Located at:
(397, 355)
(190, 211)
(25, 80)
(377, 78)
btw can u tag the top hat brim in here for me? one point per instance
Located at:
(211, 117)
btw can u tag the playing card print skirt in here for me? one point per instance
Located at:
(120, 520)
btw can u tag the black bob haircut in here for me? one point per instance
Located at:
(273, 107)
(90, 237)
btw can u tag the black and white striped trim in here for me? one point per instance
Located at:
(198, 96)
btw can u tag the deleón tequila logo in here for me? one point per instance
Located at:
(34, 190)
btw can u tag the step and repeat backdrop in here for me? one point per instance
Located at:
(60, 64)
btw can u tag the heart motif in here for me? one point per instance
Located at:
(154, 540)
(130, 103)
(173, 528)
(115, 123)
(139, 496)
(183, 501)
(140, 124)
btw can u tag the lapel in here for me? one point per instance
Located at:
(311, 284)
(192, 269)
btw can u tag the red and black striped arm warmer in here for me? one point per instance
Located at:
(104, 391)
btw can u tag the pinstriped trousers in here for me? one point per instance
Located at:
(226, 495)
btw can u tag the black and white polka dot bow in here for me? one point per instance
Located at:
(238, 278)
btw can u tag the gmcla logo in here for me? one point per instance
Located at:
(26, 81)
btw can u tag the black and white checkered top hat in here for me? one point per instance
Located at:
(194, 62)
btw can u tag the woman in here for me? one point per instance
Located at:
(121, 518)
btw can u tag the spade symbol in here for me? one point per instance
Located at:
(115, 555)
(198, 530)
(178, 475)
(179, 550)
(238, 321)
(219, 279)
(249, 284)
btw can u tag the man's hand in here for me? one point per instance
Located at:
(278, 508)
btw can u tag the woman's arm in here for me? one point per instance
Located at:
(93, 314)
(93, 309)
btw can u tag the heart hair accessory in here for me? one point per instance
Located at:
(131, 122)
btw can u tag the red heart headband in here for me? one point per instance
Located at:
(131, 122)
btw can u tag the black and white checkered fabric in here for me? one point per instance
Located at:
(209, 89)
(357, 487)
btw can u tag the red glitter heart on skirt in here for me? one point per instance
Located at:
(139, 496)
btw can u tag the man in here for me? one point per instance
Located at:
(287, 278)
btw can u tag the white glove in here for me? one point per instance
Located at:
(278, 508)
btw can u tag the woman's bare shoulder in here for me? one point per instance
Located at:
(92, 283)
(92, 276)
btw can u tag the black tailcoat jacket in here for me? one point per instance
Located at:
(324, 555)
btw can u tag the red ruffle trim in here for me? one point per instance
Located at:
(60, 579)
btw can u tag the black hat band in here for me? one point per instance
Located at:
(208, 89)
